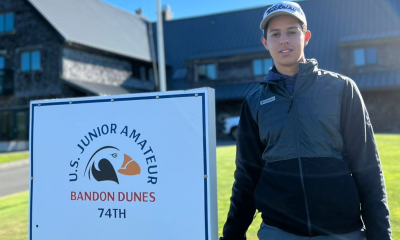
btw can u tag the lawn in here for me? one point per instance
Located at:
(14, 217)
(14, 208)
(9, 157)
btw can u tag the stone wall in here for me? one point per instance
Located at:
(89, 67)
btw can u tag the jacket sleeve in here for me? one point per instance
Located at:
(248, 167)
(361, 151)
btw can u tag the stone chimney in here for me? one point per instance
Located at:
(139, 11)
(167, 15)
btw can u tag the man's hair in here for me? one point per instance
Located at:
(303, 28)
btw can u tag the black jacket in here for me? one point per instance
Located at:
(307, 161)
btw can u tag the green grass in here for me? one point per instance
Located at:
(225, 170)
(389, 151)
(14, 216)
(14, 208)
(15, 156)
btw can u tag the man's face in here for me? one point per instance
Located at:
(285, 41)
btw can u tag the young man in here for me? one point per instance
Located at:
(306, 154)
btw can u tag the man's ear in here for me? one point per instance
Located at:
(307, 37)
(264, 42)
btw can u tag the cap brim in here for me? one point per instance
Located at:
(272, 15)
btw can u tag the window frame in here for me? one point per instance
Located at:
(2, 69)
(366, 61)
(264, 71)
(30, 63)
(4, 62)
(207, 67)
(3, 15)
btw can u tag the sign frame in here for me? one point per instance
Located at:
(208, 147)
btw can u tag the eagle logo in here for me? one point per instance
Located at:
(101, 165)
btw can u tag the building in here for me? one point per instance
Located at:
(358, 38)
(57, 48)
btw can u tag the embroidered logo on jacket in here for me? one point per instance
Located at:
(268, 100)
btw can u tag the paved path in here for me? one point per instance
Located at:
(14, 177)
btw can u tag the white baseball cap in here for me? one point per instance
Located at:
(283, 8)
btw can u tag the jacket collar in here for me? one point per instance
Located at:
(305, 69)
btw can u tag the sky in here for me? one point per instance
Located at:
(188, 8)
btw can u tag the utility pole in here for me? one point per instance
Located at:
(160, 46)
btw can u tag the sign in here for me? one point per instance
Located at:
(138, 166)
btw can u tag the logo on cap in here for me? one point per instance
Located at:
(283, 6)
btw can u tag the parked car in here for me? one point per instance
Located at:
(230, 126)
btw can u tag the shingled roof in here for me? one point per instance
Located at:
(98, 25)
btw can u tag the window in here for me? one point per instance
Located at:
(151, 74)
(14, 125)
(207, 72)
(372, 56)
(30, 61)
(7, 130)
(21, 125)
(262, 66)
(6, 22)
(143, 73)
(365, 56)
(2, 64)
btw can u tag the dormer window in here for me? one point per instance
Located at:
(365, 56)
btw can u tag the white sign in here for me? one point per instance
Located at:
(138, 166)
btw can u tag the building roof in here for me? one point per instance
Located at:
(235, 91)
(212, 36)
(377, 80)
(371, 36)
(95, 24)
(237, 32)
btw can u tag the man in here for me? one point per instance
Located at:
(306, 154)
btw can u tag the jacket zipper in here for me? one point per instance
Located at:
(291, 103)
(300, 164)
